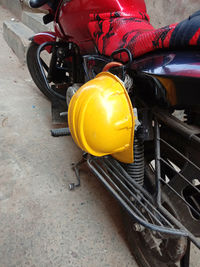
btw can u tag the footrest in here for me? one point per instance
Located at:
(60, 132)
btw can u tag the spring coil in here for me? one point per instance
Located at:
(136, 169)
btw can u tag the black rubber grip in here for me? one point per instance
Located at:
(60, 132)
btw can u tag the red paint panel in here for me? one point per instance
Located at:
(44, 37)
(74, 17)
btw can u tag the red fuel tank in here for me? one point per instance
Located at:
(73, 17)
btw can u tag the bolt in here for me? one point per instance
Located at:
(143, 210)
(71, 186)
(195, 182)
(138, 227)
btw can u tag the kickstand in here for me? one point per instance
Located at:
(185, 262)
(76, 168)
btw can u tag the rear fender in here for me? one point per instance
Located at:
(43, 37)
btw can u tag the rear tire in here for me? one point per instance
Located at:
(152, 249)
(140, 245)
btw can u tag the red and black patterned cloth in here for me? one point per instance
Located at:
(112, 31)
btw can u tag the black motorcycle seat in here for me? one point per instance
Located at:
(187, 32)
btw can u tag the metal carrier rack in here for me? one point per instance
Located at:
(148, 209)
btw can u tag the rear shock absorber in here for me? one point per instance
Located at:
(136, 169)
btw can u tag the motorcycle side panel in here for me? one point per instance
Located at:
(170, 63)
(169, 78)
(73, 17)
(44, 37)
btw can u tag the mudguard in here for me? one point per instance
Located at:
(43, 37)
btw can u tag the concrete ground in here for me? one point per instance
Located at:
(165, 12)
(42, 222)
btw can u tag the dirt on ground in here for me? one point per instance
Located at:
(42, 222)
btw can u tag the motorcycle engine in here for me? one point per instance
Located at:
(71, 91)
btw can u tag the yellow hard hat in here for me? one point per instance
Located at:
(101, 118)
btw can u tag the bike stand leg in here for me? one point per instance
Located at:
(76, 168)
(58, 108)
(185, 262)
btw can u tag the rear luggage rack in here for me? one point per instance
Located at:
(147, 209)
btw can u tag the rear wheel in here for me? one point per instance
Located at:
(146, 250)
(153, 249)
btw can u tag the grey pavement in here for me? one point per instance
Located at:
(42, 223)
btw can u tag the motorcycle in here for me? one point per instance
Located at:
(131, 94)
